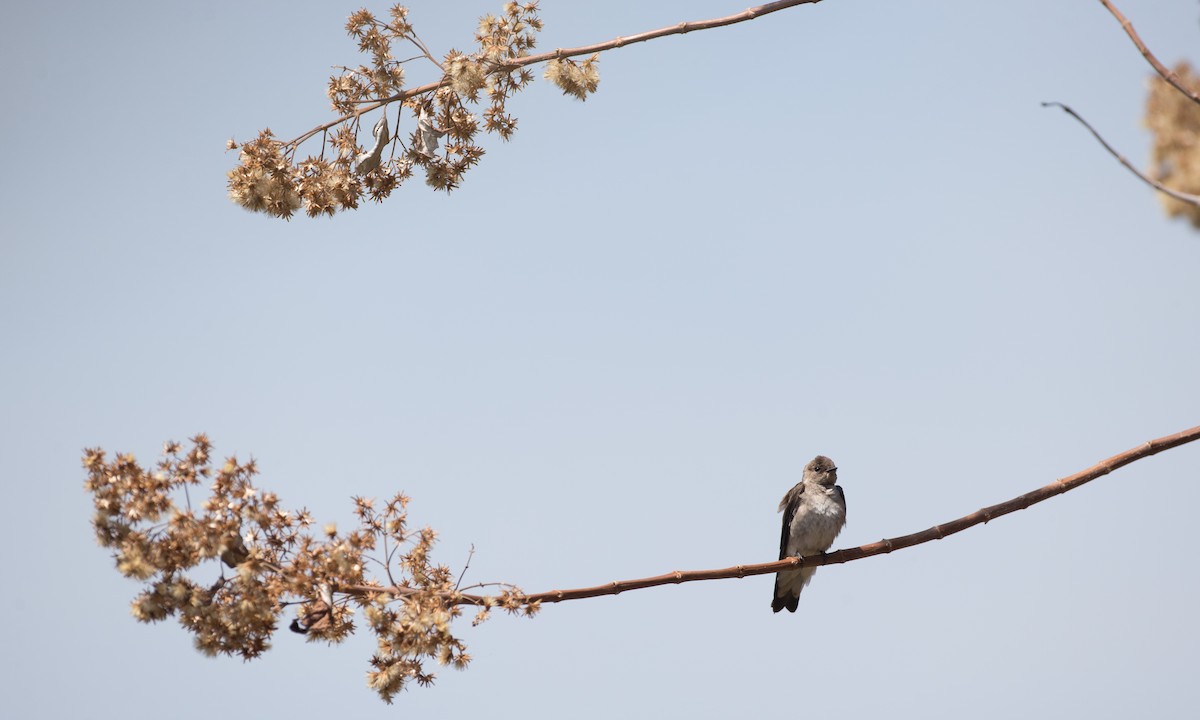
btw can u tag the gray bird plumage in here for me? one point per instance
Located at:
(813, 514)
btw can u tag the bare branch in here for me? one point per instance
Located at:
(882, 547)
(1166, 73)
(462, 574)
(1182, 197)
(412, 37)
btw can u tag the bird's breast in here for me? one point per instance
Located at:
(816, 524)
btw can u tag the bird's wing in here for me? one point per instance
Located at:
(791, 501)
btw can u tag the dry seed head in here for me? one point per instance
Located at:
(576, 79)
(1174, 120)
(467, 76)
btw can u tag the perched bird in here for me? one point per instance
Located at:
(813, 514)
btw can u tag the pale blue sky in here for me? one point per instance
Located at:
(846, 229)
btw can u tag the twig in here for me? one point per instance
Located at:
(1182, 197)
(387, 559)
(937, 532)
(470, 555)
(412, 37)
(1166, 73)
(517, 62)
(510, 586)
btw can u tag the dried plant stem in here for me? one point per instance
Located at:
(1182, 197)
(1166, 73)
(679, 29)
(462, 574)
(412, 37)
(882, 547)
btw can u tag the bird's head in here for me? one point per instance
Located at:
(822, 471)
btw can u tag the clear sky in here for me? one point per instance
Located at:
(846, 229)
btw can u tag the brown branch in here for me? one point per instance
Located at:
(1182, 197)
(412, 37)
(937, 532)
(882, 547)
(681, 28)
(1166, 73)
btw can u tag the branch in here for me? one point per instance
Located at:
(1182, 197)
(562, 53)
(681, 28)
(285, 566)
(1166, 73)
(882, 547)
(412, 37)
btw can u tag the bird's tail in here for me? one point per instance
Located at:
(787, 593)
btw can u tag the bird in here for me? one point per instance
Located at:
(814, 512)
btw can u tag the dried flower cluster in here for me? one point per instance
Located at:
(577, 79)
(266, 180)
(1174, 119)
(147, 517)
(270, 179)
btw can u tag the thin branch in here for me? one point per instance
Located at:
(1166, 73)
(681, 28)
(352, 71)
(1182, 197)
(509, 586)
(387, 559)
(937, 532)
(462, 574)
(412, 37)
